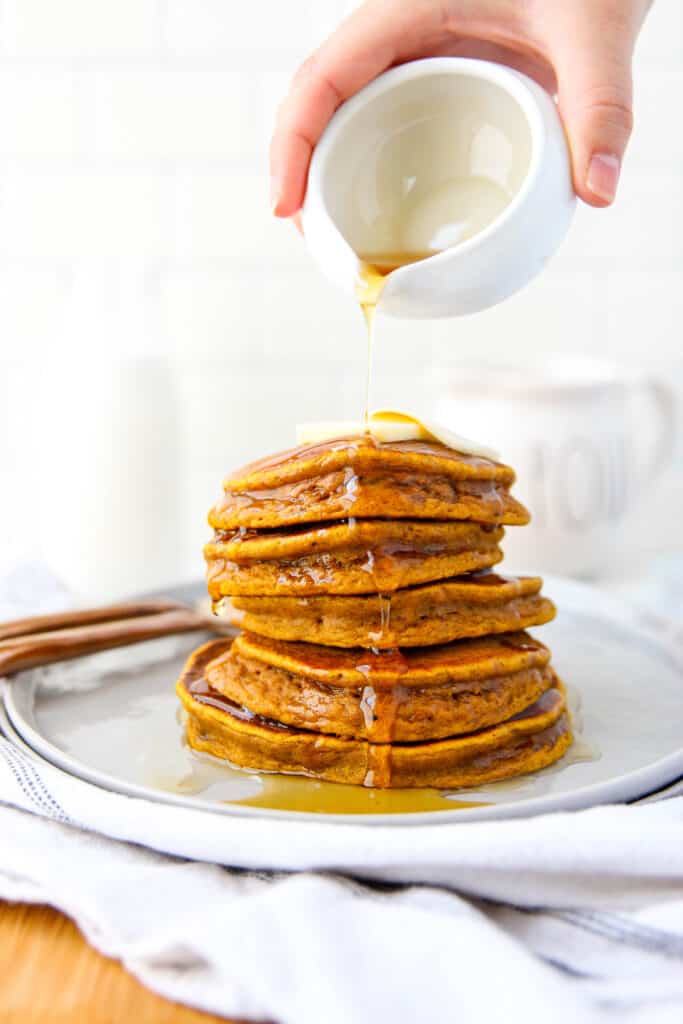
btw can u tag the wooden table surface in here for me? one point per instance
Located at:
(49, 973)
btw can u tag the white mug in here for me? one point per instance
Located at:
(585, 439)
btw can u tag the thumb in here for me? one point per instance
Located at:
(595, 97)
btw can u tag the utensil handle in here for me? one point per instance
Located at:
(29, 651)
(85, 617)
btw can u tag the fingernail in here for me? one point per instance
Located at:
(603, 176)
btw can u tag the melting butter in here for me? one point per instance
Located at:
(388, 425)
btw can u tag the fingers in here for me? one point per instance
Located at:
(595, 99)
(588, 45)
(519, 57)
(599, 119)
(373, 38)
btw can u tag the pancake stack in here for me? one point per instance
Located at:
(376, 646)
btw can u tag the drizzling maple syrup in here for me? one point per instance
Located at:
(373, 272)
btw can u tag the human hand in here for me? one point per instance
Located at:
(580, 50)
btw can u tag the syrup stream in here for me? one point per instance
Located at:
(373, 272)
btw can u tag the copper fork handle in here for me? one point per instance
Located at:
(85, 617)
(19, 652)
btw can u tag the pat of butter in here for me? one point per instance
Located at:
(387, 425)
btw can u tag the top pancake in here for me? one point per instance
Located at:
(361, 477)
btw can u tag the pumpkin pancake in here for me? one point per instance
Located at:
(356, 556)
(392, 696)
(361, 477)
(434, 613)
(534, 738)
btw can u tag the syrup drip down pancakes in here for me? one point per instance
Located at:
(377, 646)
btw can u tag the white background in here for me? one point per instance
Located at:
(158, 327)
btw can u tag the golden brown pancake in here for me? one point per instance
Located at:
(363, 478)
(393, 696)
(357, 556)
(434, 613)
(536, 737)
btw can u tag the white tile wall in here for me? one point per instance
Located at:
(660, 40)
(644, 232)
(644, 315)
(566, 310)
(134, 222)
(34, 305)
(172, 114)
(76, 216)
(224, 224)
(657, 140)
(80, 28)
(207, 314)
(254, 32)
(41, 112)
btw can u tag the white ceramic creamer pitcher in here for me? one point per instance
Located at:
(463, 158)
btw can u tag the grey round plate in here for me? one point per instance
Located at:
(112, 719)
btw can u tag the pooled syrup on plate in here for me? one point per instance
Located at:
(281, 792)
(206, 776)
(295, 793)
